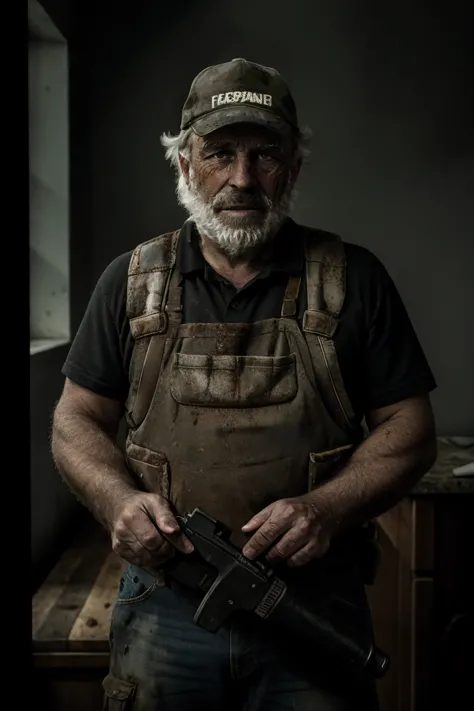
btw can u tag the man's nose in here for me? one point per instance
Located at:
(242, 174)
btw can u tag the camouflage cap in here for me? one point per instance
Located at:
(239, 92)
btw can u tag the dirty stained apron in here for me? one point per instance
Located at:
(234, 418)
(230, 418)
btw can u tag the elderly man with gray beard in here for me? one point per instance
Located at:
(246, 352)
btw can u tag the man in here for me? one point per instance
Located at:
(245, 352)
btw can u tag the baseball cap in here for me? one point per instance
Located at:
(239, 91)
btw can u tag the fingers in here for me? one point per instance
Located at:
(126, 544)
(141, 524)
(312, 549)
(147, 533)
(287, 529)
(297, 536)
(257, 520)
(158, 510)
(266, 535)
(133, 552)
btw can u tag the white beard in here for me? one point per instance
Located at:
(234, 241)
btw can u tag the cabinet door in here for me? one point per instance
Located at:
(402, 605)
(454, 603)
(384, 600)
(419, 679)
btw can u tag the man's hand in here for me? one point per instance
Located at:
(294, 529)
(145, 532)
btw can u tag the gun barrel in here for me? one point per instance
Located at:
(378, 662)
(295, 620)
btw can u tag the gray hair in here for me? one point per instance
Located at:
(180, 144)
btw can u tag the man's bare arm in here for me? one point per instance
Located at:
(84, 449)
(400, 448)
(143, 529)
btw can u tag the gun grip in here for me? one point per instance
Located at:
(235, 588)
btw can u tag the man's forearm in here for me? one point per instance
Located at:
(91, 463)
(381, 471)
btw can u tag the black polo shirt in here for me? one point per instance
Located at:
(380, 356)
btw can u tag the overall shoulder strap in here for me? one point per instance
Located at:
(326, 291)
(325, 280)
(149, 275)
(148, 280)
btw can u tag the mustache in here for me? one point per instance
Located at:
(241, 200)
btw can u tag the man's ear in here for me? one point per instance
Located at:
(184, 167)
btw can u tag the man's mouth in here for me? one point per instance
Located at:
(241, 209)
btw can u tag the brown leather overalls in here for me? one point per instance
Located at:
(231, 417)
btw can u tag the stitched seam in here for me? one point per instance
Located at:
(245, 105)
(180, 366)
(133, 412)
(262, 333)
(139, 598)
(150, 271)
(332, 381)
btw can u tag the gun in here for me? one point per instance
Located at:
(230, 582)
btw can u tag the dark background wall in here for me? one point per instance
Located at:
(386, 89)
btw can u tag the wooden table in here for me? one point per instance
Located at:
(71, 614)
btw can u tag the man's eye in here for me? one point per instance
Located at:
(268, 157)
(220, 154)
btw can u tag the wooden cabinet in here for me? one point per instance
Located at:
(422, 603)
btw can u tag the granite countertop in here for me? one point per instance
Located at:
(440, 478)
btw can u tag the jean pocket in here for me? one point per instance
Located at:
(136, 585)
(324, 465)
(119, 695)
(233, 381)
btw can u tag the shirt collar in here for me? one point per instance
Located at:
(288, 254)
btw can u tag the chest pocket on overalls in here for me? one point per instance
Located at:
(233, 381)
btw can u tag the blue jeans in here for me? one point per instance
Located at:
(162, 661)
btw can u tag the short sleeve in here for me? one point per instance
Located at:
(98, 354)
(396, 366)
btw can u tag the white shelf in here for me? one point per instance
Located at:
(38, 345)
